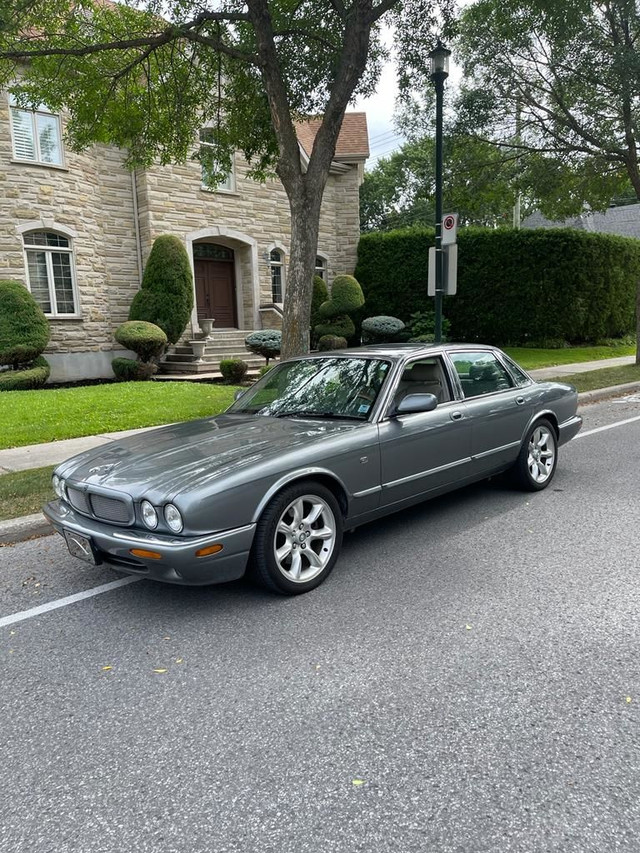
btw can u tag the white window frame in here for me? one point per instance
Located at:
(281, 265)
(69, 235)
(231, 177)
(45, 111)
(323, 266)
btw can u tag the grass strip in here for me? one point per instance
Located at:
(532, 359)
(34, 417)
(24, 492)
(602, 378)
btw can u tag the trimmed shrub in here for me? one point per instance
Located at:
(513, 286)
(265, 342)
(380, 330)
(328, 342)
(166, 294)
(320, 295)
(346, 298)
(129, 370)
(233, 370)
(30, 377)
(147, 340)
(24, 330)
(342, 326)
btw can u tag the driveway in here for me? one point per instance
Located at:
(468, 679)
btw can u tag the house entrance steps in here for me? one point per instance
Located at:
(221, 344)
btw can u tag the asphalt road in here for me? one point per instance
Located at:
(468, 679)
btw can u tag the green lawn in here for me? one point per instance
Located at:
(24, 492)
(603, 377)
(32, 417)
(531, 359)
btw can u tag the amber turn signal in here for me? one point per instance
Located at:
(149, 555)
(212, 549)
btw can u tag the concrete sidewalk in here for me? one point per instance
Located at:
(39, 455)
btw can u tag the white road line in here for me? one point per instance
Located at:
(608, 426)
(63, 602)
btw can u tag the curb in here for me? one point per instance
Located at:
(33, 526)
(26, 527)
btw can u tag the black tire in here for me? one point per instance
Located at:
(313, 546)
(538, 458)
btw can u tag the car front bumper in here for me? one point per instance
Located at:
(178, 563)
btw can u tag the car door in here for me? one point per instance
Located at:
(423, 452)
(498, 409)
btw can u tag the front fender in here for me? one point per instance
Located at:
(294, 476)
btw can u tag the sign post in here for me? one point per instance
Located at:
(443, 266)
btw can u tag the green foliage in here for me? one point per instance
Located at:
(234, 370)
(33, 376)
(166, 294)
(342, 326)
(265, 342)
(513, 286)
(422, 326)
(24, 331)
(145, 339)
(383, 329)
(129, 370)
(329, 342)
(264, 369)
(320, 295)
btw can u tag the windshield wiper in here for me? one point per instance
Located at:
(309, 413)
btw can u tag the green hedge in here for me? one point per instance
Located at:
(24, 330)
(514, 287)
(30, 377)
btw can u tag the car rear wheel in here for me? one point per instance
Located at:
(536, 463)
(297, 539)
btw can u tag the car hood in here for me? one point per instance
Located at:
(172, 459)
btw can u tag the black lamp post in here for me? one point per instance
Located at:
(439, 58)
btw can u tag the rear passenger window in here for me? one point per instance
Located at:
(520, 376)
(480, 373)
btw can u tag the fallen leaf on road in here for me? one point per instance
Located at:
(468, 627)
(178, 660)
(104, 668)
(159, 670)
(357, 782)
(628, 698)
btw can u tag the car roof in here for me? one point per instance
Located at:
(398, 351)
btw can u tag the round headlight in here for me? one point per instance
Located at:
(173, 518)
(149, 515)
(56, 482)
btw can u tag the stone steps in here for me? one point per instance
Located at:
(221, 344)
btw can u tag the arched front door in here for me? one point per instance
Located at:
(215, 284)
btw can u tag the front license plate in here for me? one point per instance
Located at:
(80, 546)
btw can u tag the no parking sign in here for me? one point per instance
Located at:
(449, 228)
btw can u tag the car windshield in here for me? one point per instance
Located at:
(331, 387)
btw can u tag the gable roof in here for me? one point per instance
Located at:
(623, 220)
(353, 139)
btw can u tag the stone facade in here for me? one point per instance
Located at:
(112, 216)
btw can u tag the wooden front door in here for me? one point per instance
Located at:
(215, 284)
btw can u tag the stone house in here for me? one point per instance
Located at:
(77, 229)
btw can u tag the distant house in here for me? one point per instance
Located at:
(77, 229)
(623, 220)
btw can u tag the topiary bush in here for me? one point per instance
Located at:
(266, 342)
(328, 342)
(31, 377)
(233, 370)
(346, 298)
(320, 295)
(166, 294)
(24, 330)
(380, 330)
(130, 370)
(147, 340)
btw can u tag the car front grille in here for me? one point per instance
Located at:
(115, 510)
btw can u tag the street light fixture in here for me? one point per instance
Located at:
(439, 59)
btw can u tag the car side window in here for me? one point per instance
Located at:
(425, 376)
(519, 374)
(480, 373)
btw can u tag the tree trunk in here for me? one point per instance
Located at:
(638, 324)
(305, 223)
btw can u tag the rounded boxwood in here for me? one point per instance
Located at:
(265, 342)
(166, 293)
(346, 295)
(147, 340)
(233, 370)
(27, 379)
(130, 370)
(342, 326)
(328, 342)
(24, 330)
(381, 329)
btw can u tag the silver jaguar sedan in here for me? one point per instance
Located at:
(320, 444)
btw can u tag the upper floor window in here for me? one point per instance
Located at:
(50, 272)
(276, 265)
(36, 135)
(209, 166)
(321, 268)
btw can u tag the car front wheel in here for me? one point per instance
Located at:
(536, 464)
(297, 539)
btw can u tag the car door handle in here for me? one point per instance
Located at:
(456, 416)
(520, 401)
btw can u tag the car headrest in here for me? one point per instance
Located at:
(423, 372)
(483, 370)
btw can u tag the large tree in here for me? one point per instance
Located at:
(560, 77)
(147, 75)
